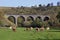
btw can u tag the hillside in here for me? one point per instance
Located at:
(30, 10)
(51, 10)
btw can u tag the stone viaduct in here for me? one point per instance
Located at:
(26, 16)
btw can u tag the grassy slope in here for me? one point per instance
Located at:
(6, 34)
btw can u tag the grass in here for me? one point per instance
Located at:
(20, 34)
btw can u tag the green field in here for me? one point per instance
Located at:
(20, 34)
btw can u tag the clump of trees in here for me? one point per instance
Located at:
(58, 3)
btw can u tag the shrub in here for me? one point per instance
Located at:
(27, 24)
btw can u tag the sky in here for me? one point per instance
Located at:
(28, 3)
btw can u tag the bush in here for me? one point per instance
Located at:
(37, 24)
(27, 24)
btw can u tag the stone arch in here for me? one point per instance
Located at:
(12, 19)
(21, 18)
(38, 18)
(20, 21)
(46, 18)
(30, 18)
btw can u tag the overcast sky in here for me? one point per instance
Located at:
(26, 2)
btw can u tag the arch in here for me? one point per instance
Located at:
(20, 21)
(30, 18)
(12, 19)
(39, 18)
(46, 18)
(21, 17)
